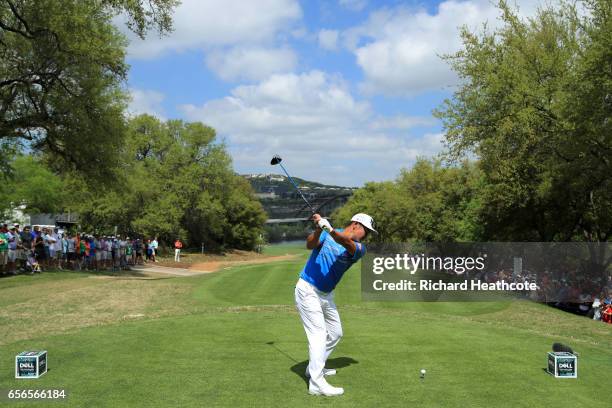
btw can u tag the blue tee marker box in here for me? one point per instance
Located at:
(563, 365)
(30, 364)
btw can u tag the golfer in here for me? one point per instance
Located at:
(334, 251)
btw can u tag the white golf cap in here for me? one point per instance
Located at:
(365, 220)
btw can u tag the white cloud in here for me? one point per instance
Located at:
(399, 49)
(314, 122)
(328, 39)
(201, 24)
(146, 101)
(401, 122)
(355, 5)
(282, 103)
(251, 63)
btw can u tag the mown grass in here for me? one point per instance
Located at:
(233, 339)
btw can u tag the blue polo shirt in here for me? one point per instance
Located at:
(328, 262)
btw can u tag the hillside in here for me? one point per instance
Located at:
(281, 200)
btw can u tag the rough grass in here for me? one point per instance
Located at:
(53, 303)
(233, 339)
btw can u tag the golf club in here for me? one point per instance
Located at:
(277, 160)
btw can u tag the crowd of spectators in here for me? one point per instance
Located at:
(578, 293)
(572, 291)
(35, 249)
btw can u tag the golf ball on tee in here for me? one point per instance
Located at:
(423, 372)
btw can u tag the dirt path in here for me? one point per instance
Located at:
(216, 265)
(204, 267)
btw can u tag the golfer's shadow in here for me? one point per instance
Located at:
(338, 362)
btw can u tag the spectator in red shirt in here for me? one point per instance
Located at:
(178, 245)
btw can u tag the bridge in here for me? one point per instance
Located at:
(322, 205)
(288, 220)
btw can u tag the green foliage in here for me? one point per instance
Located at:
(61, 73)
(535, 108)
(175, 182)
(426, 203)
(383, 202)
(32, 185)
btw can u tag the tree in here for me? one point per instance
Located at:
(61, 73)
(589, 109)
(429, 202)
(32, 186)
(534, 106)
(176, 181)
(384, 202)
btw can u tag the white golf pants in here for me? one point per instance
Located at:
(322, 326)
(177, 255)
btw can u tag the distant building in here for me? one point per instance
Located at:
(276, 178)
(269, 176)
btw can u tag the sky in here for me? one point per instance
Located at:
(342, 90)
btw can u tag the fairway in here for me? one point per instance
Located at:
(233, 339)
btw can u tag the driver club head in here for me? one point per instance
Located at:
(275, 160)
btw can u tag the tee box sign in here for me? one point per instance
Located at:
(30, 364)
(563, 365)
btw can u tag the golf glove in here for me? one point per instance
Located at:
(325, 225)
